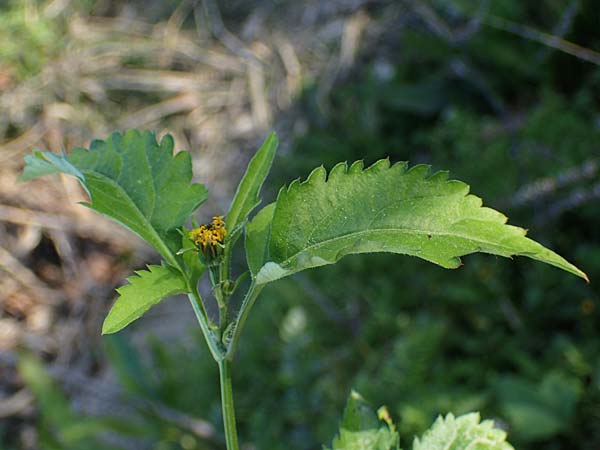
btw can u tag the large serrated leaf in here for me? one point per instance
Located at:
(381, 209)
(464, 432)
(134, 180)
(145, 289)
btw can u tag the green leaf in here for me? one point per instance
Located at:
(464, 432)
(362, 430)
(381, 209)
(146, 289)
(46, 163)
(247, 195)
(134, 180)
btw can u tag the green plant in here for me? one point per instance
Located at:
(361, 428)
(138, 182)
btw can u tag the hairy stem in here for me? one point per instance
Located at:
(216, 280)
(228, 410)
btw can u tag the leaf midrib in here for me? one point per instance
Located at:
(394, 205)
(152, 301)
(164, 248)
(379, 230)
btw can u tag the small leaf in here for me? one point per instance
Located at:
(145, 289)
(134, 180)
(381, 209)
(464, 432)
(358, 414)
(361, 429)
(247, 195)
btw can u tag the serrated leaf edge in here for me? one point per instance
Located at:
(272, 271)
(131, 284)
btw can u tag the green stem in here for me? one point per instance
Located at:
(216, 280)
(247, 304)
(216, 348)
(228, 410)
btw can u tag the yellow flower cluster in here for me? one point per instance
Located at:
(209, 238)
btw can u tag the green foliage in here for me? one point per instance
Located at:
(439, 343)
(145, 289)
(361, 430)
(247, 197)
(381, 209)
(464, 432)
(134, 180)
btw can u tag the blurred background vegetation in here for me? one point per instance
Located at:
(504, 93)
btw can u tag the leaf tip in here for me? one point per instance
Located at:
(419, 170)
(318, 175)
(273, 139)
(339, 169)
(108, 328)
(167, 143)
(585, 277)
(357, 166)
(379, 165)
(291, 187)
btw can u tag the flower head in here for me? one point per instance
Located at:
(209, 238)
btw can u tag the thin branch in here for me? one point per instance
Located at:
(541, 37)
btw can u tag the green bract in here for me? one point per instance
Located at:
(380, 209)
